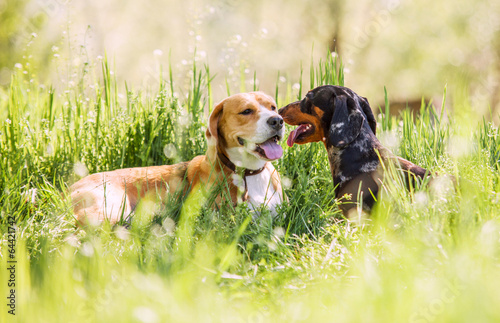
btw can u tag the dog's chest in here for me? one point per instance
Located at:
(260, 190)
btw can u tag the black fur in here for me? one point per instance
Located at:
(353, 149)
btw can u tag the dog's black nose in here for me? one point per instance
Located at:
(275, 122)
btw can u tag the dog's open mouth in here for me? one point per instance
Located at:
(270, 149)
(298, 133)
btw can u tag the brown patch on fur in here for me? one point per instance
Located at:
(292, 115)
(319, 112)
(354, 151)
(109, 195)
(228, 120)
(363, 184)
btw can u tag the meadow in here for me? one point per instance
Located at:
(428, 255)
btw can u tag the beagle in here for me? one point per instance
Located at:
(242, 136)
(344, 122)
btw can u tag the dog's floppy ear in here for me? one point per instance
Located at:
(213, 122)
(369, 114)
(346, 122)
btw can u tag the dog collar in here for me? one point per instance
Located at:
(229, 164)
(247, 172)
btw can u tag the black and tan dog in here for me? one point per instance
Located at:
(344, 122)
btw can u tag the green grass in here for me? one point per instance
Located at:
(423, 256)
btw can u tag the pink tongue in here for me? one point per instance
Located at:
(294, 134)
(272, 149)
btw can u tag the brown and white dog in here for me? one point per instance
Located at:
(243, 134)
(344, 122)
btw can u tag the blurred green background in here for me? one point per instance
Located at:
(412, 48)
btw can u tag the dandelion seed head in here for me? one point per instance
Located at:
(441, 187)
(184, 119)
(145, 314)
(72, 240)
(80, 169)
(279, 232)
(421, 199)
(170, 151)
(122, 233)
(169, 226)
(49, 150)
(87, 249)
(286, 182)
(459, 146)
(389, 139)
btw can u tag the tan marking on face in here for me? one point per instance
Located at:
(319, 112)
(235, 122)
(242, 116)
(292, 115)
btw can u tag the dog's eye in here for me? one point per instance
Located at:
(273, 108)
(246, 112)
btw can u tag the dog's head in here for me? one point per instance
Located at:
(331, 114)
(247, 127)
